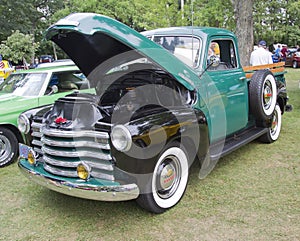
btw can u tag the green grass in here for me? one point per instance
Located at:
(252, 194)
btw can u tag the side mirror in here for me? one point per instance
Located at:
(214, 60)
(54, 90)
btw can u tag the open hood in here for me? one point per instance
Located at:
(93, 40)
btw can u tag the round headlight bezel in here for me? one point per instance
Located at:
(121, 138)
(23, 124)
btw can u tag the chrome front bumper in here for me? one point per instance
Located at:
(82, 190)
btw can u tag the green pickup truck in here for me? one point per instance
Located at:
(164, 98)
(27, 89)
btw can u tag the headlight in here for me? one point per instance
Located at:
(23, 124)
(121, 138)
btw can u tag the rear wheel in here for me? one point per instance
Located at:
(274, 131)
(8, 147)
(263, 95)
(168, 180)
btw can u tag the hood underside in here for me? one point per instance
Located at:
(96, 42)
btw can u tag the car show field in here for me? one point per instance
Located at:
(252, 194)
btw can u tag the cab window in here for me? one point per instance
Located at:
(221, 55)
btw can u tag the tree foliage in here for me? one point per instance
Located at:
(277, 21)
(274, 20)
(18, 47)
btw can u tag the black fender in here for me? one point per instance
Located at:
(151, 133)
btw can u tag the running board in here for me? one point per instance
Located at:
(221, 149)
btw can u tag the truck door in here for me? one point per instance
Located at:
(227, 89)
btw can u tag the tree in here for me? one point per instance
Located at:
(244, 28)
(18, 47)
(28, 17)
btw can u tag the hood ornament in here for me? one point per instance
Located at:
(60, 120)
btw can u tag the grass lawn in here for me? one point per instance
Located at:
(252, 194)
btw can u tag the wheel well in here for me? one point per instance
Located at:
(190, 147)
(281, 103)
(15, 131)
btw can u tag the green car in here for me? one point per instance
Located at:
(26, 89)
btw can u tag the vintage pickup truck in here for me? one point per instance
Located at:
(164, 99)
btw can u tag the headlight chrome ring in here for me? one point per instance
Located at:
(23, 124)
(121, 138)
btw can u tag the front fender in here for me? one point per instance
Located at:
(151, 133)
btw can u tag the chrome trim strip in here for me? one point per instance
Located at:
(38, 150)
(36, 125)
(104, 123)
(77, 98)
(74, 134)
(92, 154)
(59, 172)
(100, 193)
(55, 162)
(102, 176)
(37, 143)
(74, 143)
(36, 134)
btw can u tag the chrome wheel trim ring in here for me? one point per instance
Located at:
(269, 95)
(5, 148)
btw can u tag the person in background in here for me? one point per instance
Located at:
(5, 68)
(278, 53)
(284, 52)
(261, 55)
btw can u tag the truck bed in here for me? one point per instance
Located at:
(277, 69)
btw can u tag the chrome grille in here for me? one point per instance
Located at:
(63, 150)
(36, 135)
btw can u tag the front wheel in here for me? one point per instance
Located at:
(8, 147)
(274, 131)
(295, 64)
(168, 181)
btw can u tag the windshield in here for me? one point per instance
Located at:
(24, 84)
(185, 48)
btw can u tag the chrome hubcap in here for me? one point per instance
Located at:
(274, 125)
(168, 177)
(267, 95)
(5, 148)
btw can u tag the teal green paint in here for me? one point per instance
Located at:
(72, 181)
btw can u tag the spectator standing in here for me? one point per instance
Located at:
(261, 55)
(284, 52)
(278, 53)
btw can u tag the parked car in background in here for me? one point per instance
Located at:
(293, 59)
(59, 62)
(27, 89)
(46, 59)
